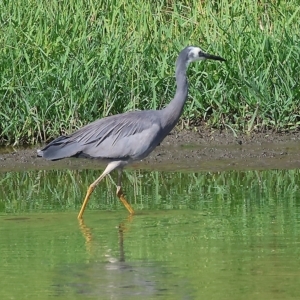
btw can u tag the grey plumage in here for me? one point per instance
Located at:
(130, 136)
(110, 138)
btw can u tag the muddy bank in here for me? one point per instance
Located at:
(186, 151)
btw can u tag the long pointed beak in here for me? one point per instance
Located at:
(214, 57)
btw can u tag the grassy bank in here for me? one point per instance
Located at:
(66, 63)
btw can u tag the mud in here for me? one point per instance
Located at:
(186, 151)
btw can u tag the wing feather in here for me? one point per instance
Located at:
(117, 126)
(130, 135)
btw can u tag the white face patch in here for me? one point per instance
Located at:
(194, 54)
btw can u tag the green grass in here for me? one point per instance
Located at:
(66, 63)
(45, 191)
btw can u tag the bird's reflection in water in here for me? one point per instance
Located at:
(114, 279)
(87, 234)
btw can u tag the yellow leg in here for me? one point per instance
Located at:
(121, 196)
(86, 199)
(111, 166)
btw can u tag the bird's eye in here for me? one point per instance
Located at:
(200, 53)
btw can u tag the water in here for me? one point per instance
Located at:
(227, 235)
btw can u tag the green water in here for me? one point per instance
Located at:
(228, 235)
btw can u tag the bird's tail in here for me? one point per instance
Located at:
(60, 148)
(39, 153)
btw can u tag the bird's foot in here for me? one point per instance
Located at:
(121, 196)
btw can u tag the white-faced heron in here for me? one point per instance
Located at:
(124, 138)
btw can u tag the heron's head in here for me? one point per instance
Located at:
(192, 53)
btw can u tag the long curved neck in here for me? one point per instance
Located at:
(172, 112)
